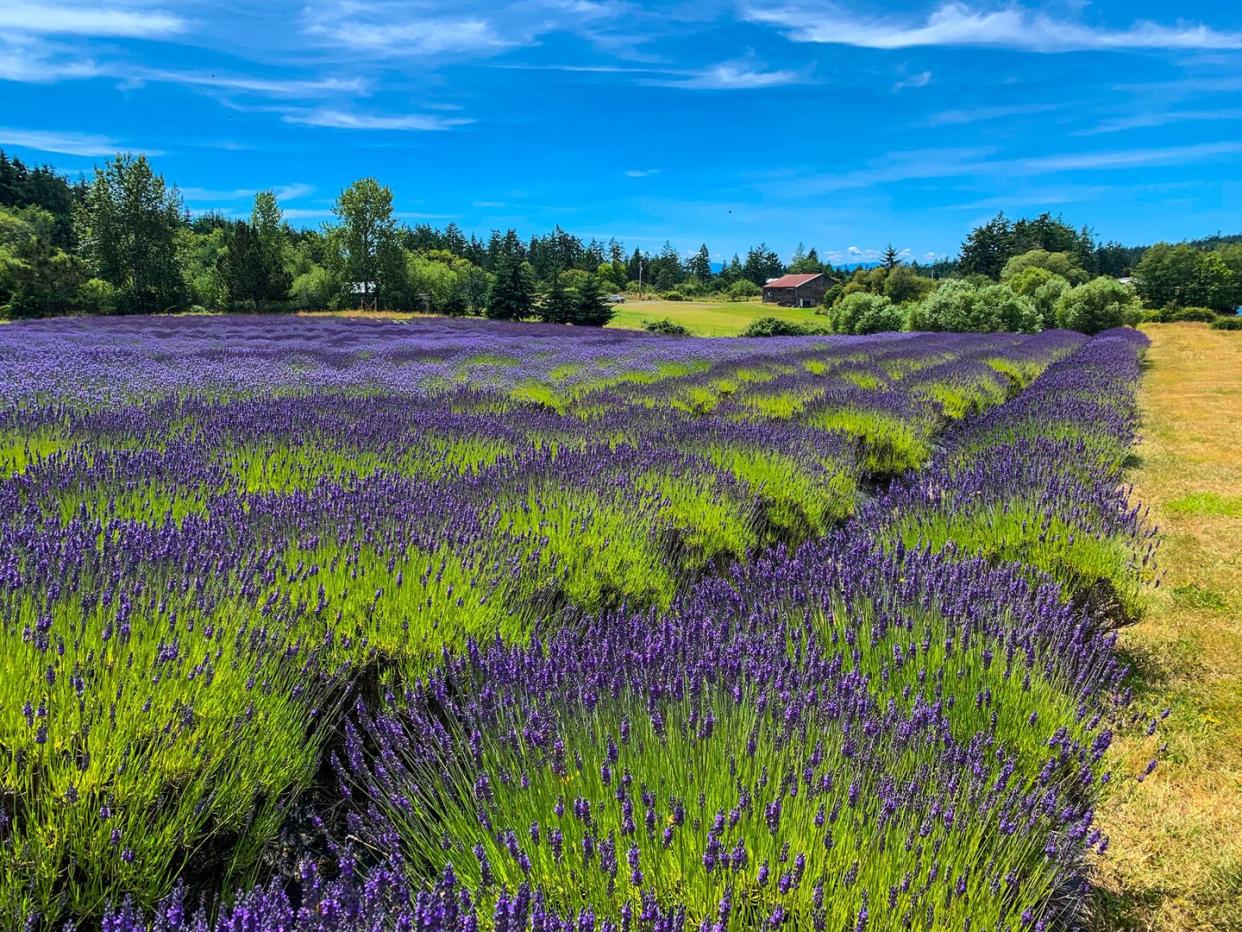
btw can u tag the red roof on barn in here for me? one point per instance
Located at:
(791, 281)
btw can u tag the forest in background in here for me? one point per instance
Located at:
(122, 242)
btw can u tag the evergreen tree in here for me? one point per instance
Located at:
(700, 265)
(590, 308)
(558, 305)
(987, 248)
(762, 264)
(890, 258)
(512, 292)
(252, 274)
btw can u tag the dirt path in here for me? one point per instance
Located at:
(1176, 857)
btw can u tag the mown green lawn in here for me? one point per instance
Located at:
(708, 318)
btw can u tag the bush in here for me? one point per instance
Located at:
(1227, 323)
(1062, 264)
(666, 327)
(1101, 304)
(964, 306)
(673, 296)
(97, 296)
(1201, 315)
(860, 313)
(742, 289)
(314, 290)
(775, 327)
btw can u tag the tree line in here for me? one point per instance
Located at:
(123, 242)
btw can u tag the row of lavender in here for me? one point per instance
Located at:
(852, 735)
(888, 727)
(192, 580)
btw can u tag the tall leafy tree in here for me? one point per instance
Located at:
(269, 223)
(512, 291)
(368, 255)
(127, 229)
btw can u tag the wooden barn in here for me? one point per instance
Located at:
(796, 290)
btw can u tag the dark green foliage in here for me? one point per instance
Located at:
(253, 275)
(1200, 315)
(24, 186)
(558, 306)
(673, 296)
(700, 265)
(1227, 323)
(1183, 276)
(665, 326)
(590, 307)
(775, 327)
(989, 247)
(761, 264)
(128, 233)
(512, 292)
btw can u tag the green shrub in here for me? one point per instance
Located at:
(1098, 305)
(964, 306)
(1201, 315)
(1227, 323)
(742, 289)
(673, 296)
(775, 327)
(665, 326)
(860, 312)
(97, 296)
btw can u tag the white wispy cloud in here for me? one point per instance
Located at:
(927, 164)
(34, 60)
(89, 20)
(272, 87)
(65, 143)
(731, 76)
(961, 24)
(287, 192)
(1162, 118)
(1038, 197)
(341, 119)
(396, 31)
(642, 172)
(1122, 158)
(983, 114)
(922, 79)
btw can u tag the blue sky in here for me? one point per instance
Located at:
(829, 123)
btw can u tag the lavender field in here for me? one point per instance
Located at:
(448, 625)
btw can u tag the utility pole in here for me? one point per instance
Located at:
(640, 279)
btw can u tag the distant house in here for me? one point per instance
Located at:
(796, 290)
(365, 291)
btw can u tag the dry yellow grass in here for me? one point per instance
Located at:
(1175, 862)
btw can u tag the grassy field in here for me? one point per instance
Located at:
(701, 318)
(1176, 857)
(708, 318)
